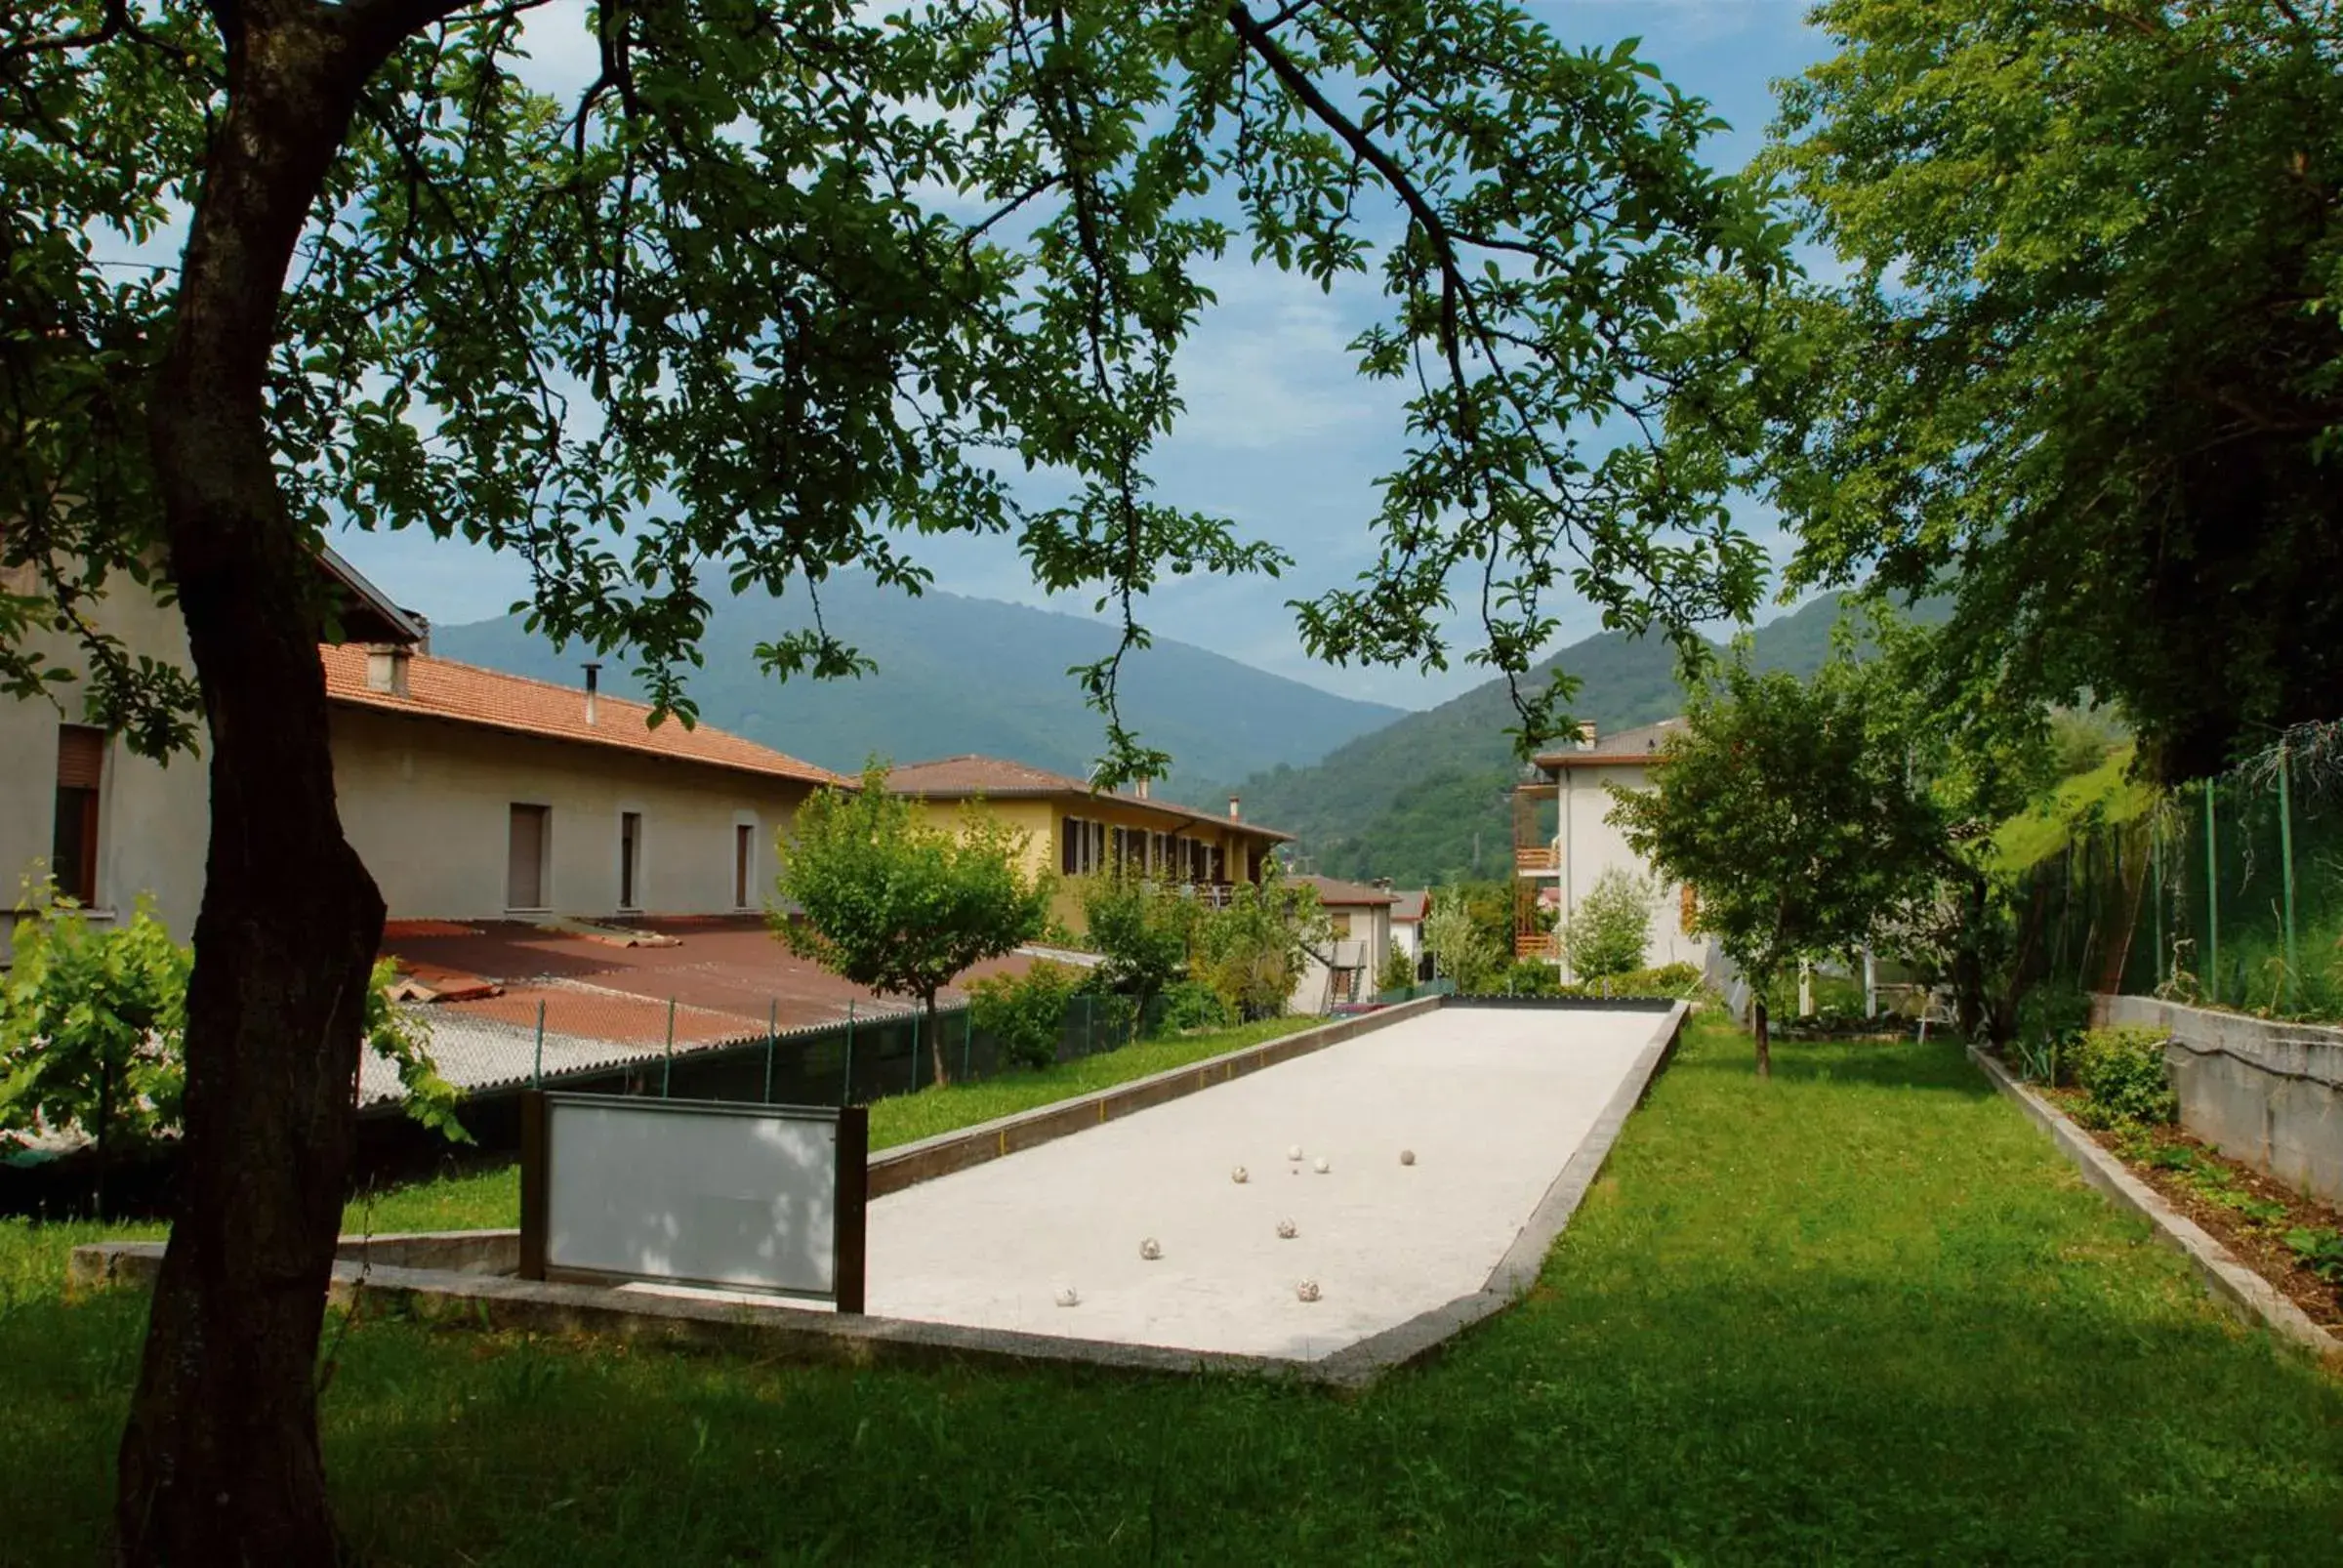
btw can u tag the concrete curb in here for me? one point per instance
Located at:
(2242, 1292)
(909, 1164)
(381, 1270)
(1423, 1336)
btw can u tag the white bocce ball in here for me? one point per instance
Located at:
(1151, 1249)
(1308, 1290)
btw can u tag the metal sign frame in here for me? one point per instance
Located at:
(850, 1200)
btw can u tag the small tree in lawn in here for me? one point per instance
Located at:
(1796, 815)
(1459, 942)
(1141, 933)
(1611, 926)
(900, 905)
(1250, 953)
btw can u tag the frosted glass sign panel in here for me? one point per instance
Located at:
(743, 1197)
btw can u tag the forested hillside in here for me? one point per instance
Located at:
(959, 674)
(1426, 798)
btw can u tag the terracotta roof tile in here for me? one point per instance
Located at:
(1626, 748)
(958, 777)
(466, 695)
(1335, 891)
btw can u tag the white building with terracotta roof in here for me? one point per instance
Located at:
(1349, 966)
(469, 793)
(473, 794)
(1553, 870)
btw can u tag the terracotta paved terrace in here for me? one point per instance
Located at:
(728, 977)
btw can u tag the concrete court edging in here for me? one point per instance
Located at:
(2239, 1289)
(374, 1271)
(910, 1164)
(1424, 1335)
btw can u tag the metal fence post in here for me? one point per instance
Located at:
(2156, 873)
(2286, 855)
(846, 1089)
(967, 1040)
(772, 1028)
(537, 1068)
(2212, 900)
(667, 1067)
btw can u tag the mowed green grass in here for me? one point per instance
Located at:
(1864, 1314)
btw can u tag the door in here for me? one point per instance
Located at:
(630, 858)
(744, 860)
(524, 863)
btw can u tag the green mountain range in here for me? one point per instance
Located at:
(960, 674)
(1426, 798)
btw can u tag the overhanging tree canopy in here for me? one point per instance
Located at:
(2088, 370)
(785, 287)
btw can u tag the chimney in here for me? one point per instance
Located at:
(422, 624)
(1232, 809)
(1587, 733)
(1141, 787)
(592, 676)
(387, 669)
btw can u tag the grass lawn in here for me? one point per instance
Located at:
(1862, 1314)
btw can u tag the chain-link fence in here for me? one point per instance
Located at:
(2228, 893)
(872, 1052)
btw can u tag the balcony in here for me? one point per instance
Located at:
(1536, 944)
(1537, 861)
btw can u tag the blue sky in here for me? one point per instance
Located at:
(1280, 434)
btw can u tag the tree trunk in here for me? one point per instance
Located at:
(219, 1461)
(935, 1042)
(1765, 1039)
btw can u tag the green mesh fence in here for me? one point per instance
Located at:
(2228, 892)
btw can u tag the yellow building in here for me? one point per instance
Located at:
(1075, 831)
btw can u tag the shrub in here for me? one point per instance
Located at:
(1250, 952)
(1399, 971)
(93, 1034)
(1530, 976)
(2051, 1021)
(2320, 1252)
(1459, 945)
(1141, 930)
(1678, 980)
(1025, 1014)
(1192, 1004)
(1608, 931)
(2122, 1076)
(93, 1030)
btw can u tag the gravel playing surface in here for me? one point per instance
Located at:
(1492, 1101)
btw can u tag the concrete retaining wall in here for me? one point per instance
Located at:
(2268, 1094)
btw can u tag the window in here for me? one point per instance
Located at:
(73, 843)
(1340, 922)
(744, 861)
(1081, 846)
(525, 858)
(1159, 853)
(630, 859)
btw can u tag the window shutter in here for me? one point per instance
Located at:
(80, 756)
